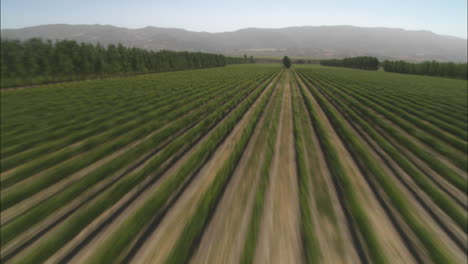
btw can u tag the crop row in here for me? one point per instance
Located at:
(69, 228)
(54, 107)
(146, 123)
(269, 130)
(439, 96)
(404, 106)
(134, 130)
(395, 109)
(118, 116)
(345, 103)
(116, 246)
(310, 242)
(84, 102)
(346, 190)
(429, 140)
(29, 188)
(16, 194)
(374, 173)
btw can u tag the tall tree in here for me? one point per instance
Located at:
(38, 61)
(286, 62)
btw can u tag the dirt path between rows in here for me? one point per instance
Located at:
(224, 238)
(279, 238)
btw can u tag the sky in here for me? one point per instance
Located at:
(446, 17)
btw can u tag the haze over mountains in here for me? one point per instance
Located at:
(307, 41)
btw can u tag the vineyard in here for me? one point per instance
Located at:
(239, 164)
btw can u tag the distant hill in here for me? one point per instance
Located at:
(307, 41)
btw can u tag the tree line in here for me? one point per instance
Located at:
(239, 60)
(36, 61)
(431, 68)
(363, 62)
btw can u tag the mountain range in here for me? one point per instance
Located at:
(306, 41)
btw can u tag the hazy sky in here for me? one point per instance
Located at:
(447, 17)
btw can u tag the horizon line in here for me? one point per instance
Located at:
(216, 32)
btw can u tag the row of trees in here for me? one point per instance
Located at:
(239, 60)
(36, 61)
(432, 68)
(363, 62)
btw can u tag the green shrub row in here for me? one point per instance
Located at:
(54, 107)
(372, 170)
(345, 186)
(133, 116)
(85, 215)
(36, 214)
(24, 191)
(116, 246)
(133, 131)
(443, 122)
(310, 244)
(432, 161)
(421, 180)
(193, 230)
(270, 131)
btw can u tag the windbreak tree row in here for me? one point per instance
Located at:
(364, 63)
(431, 68)
(36, 61)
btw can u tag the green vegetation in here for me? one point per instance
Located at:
(286, 62)
(343, 183)
(270, 129)
(363, 63)
(116, 246)
(185, 245)
(302, 141)
(98, 165)
(373, 171)
(424, 183)
(431, 68)
(36, 61)
(176, 147)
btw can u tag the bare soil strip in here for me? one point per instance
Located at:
(390, 240)
(159, 244)
(279, 239)
(224, 237)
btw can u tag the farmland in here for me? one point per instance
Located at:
(239, 164)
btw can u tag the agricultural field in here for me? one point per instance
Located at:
(239, 164)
